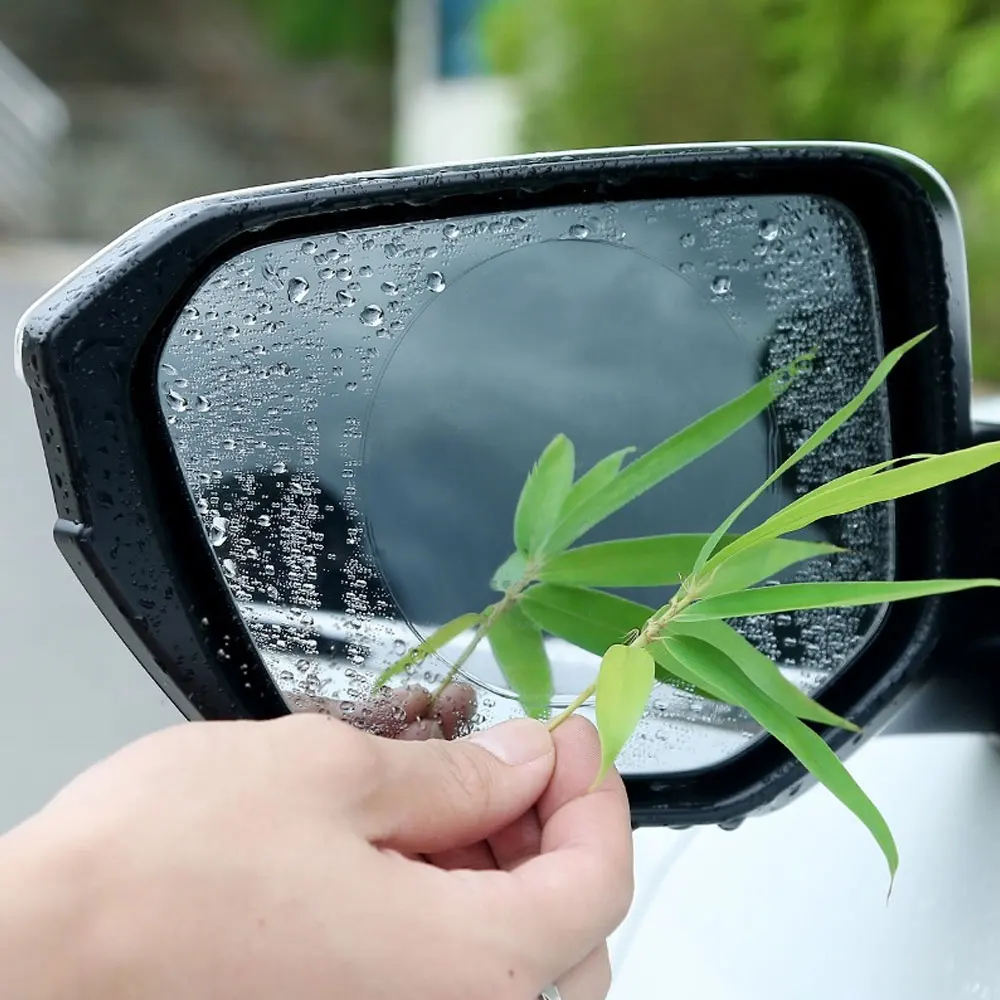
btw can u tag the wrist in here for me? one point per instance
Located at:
(44, 923)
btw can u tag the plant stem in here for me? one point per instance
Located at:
(509, 599)
(651, 631)
(576, 703)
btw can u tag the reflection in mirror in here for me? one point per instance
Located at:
(355, 413)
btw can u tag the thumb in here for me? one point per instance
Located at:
(439, 795)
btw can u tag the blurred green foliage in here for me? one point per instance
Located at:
(920, 74)
(309, 30)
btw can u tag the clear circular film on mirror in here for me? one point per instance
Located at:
(355, 414)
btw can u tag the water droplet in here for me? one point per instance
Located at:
(344, 274)
(229, 444)
(430, 252)
(298, 289)
(354, 286)
(190, 312)
(435, 281)
(279, 467)
(451, 231)
(579, 231)
(219, 531)
(336, 371)
(231, 331)
(202, 506)
(326, 273)
(229, 567)
(364, 271)
(721, 284)
(686, 267)
(351, 386)
(201, 404)
(391, 250)
(337, 352)
(687, 240)
(343, 239)
(309, 247)
(390, 288)
(769, 230)
(264, 520)
(176, 401)
(518, 222)
(372, 315)
(345, 298)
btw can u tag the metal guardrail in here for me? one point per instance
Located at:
(33, 122)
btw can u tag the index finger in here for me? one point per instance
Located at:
(578, 889)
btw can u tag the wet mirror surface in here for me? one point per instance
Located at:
(355, 414)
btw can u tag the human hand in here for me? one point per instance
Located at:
(303, 858)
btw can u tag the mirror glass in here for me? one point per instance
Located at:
(355, 414)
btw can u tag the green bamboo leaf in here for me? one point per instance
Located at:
(656, 561)
(624, 684)
(668, 457)
(438, 638)
(851, 492)
(670, 671)
(509, 572)
(583, 617)
(595, 479)
(519, 649)
(594, 621)
(760, 670)
(704, 663)
(821, 434)
(761, 562)
(804, 596)
(547, 486)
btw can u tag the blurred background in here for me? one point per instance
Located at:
(110, 110)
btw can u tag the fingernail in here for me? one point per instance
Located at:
(519, 741)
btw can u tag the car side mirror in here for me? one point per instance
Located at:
(286, 428)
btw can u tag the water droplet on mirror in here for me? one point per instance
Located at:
(451, 231)
(264, 520)
(344, 274)
(229, 444)
(372, 315)
(579, 232)
(686, 267)
(364, 271)
(430, 252)
(687, 240)
(769, 230)
(298, 289)
(201, 404)
(721, 284)
(345, 298)
(309, 247)
(435, 281)
(278, 468)
(219, 531)
(351, 386)
(326, 273)
(390, 288)
(337, 352)
(176, 401)
(202, 506)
